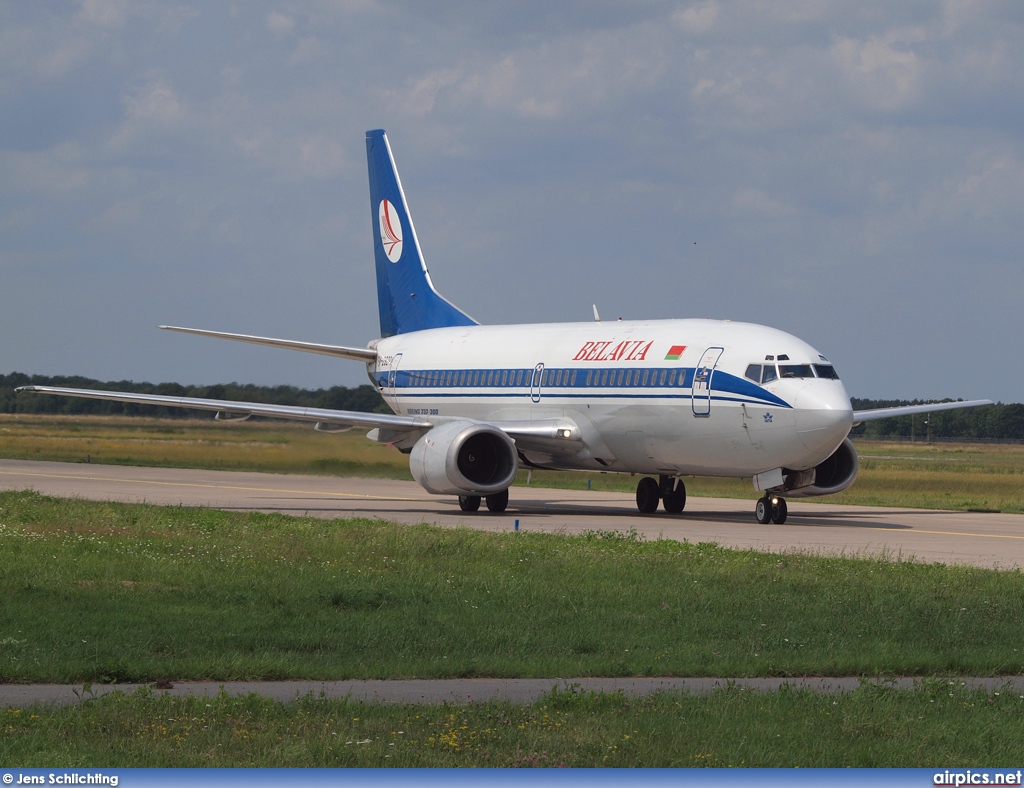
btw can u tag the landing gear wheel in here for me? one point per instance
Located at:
(469, 503)
(763, 511)
(647, 495)
(497, 502)
(780, 512)
(673, 494)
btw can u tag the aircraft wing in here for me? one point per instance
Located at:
(910, 410)
(355, 353)
(228, 410)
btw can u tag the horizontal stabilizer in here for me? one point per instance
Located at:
(355, 353)
(910, 410)
(238, 410)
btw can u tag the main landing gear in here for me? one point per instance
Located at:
(771, 509)
(495, 503)
(668, 490)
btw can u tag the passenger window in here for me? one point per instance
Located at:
(661, 377)
(753, 373)
(604, 378)
(672, 378)
(574, 377)
(646, 373)
(590, 373)
(769, 373)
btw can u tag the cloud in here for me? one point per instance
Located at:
(697, 19)
(755, 201)
(280, 24)
(105, 13)
(883, 72)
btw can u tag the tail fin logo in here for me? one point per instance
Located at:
(390, 231)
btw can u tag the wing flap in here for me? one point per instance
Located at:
(232, 410)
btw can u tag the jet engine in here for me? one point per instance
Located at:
(830, 476)
(464, 458)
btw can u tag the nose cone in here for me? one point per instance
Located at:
(823, 416)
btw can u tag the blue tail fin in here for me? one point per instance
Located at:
(405, 294)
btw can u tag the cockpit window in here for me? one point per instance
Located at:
(796, 371)
(754, 373)
(826, 371)
(769, 373)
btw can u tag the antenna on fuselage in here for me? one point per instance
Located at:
(597, 317)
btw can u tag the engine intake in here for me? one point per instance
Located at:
(832, 475)
(464, 458)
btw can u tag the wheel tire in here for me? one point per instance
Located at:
(674, 501)
(779, 512)
(469, 503)
(763, 511)
(647, 495)
(497, 502)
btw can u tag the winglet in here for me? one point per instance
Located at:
(405, 295)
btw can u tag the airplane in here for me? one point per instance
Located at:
(665, 399)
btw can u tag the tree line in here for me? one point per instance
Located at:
(991, 422)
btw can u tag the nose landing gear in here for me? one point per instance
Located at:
(771, 509)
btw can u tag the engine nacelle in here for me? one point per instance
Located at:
(463, 458)
(831, 476)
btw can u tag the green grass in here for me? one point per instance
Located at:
(937, 725)
(105, 592)
(917, 475)
(277, 447)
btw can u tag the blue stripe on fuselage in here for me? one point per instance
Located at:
(574, 383)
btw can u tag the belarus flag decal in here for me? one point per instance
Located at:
(675, 352)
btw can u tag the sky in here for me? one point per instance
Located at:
(852, 173)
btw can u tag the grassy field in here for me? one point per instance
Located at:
(939, 725)
(97, 592)
(100, 592)
(930, 476)
(104, 592)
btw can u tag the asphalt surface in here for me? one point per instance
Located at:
(986, 540)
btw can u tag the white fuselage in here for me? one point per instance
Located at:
(676, 397)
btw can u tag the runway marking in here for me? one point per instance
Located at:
(913, 530)
(208, 486)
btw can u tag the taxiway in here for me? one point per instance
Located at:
(979, 539)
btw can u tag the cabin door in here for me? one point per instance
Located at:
(535, 381)
(705, 371)
(393, 375)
